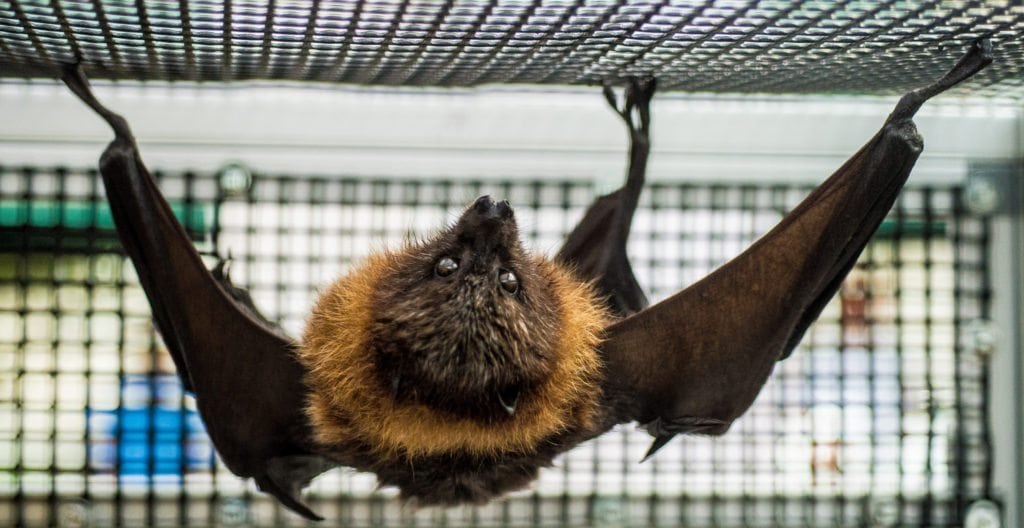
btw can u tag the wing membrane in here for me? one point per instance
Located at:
(696, 361)
(247, 383)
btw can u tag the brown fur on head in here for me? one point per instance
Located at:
(410, 358)
(462, 342)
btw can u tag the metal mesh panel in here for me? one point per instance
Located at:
(719, 46)
(879, 418)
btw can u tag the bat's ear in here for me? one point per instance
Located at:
(696, 361)
(247, 383)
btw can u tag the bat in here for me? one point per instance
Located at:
(455, 367)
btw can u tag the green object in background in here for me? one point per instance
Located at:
(40, 219)
(76, 224)
(907, 228)
(83, 215)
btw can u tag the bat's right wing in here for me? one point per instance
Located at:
(247, 383)
(696, 361)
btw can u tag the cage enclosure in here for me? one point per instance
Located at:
(299, 137)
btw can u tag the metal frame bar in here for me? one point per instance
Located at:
(1007, 363)
(452, 134)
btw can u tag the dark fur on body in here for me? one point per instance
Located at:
(463, 478)
(466, 478)
(451, 480)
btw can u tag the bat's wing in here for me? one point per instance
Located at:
(596, 247)
(696, 361)
(247, 383)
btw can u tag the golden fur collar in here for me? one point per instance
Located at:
(347, 403)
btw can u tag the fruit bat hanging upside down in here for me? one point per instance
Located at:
(455, 367)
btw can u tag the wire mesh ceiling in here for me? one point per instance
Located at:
(701, 45)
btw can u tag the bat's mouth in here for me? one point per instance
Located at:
(471, 386)
(508, 399)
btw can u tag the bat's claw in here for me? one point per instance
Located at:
(396, 385)
(665, 430)
(658, 443)
(289, 500)
(286, 476)
(222, 270)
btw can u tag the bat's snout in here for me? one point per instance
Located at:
(487, 225)
(486, 209)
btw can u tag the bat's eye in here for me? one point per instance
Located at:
(509, 282)
(446, 266)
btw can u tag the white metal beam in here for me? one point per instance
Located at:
(489, 132)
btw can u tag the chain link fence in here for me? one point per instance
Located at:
(878, 419)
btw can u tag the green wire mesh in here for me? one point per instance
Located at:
(707, 46)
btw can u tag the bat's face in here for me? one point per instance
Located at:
(466, 322)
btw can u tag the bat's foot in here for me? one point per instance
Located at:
(976, 59)
(74, 77)
(636, 104)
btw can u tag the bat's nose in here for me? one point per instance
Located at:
(483, 204)
(484, 227)
(486, 209)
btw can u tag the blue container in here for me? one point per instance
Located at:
(152, 433)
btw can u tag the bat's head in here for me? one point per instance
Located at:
(468, 321)
(460, 343)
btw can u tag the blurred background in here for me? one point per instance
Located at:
(901, 407)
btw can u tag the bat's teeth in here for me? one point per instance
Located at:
(396, 383)
(509, 398)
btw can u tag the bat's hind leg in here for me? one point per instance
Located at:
(977, 58)
(597, 246)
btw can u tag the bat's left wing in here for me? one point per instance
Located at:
(696, 361)
(247, 383)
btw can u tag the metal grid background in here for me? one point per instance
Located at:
(878, 419)
(767, 46)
